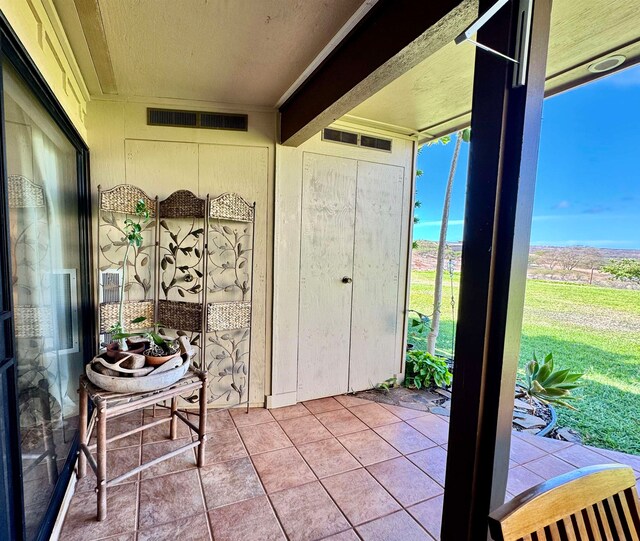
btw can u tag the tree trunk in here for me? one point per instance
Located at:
(437, 295)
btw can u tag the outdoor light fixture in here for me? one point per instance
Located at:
(607, 64)
(522, 39)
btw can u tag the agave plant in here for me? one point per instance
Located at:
(548, 385)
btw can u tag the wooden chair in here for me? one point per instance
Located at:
(598, 503)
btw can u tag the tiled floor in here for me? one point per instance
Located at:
(338, 468)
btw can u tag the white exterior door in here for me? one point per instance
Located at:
(349, 275)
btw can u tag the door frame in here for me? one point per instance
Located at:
(12, 51)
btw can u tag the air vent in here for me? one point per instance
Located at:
(338, 136)
(375, 142)
(197, 119)
(356, 139)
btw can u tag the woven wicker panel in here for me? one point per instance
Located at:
(230, 206)
(180, 315)
(123, 199)
(24, 193)
(33, 321)
(223, 316)
(182, 204)
(131, 310)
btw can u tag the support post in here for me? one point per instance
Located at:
(83, 422)
(505, 132)
(173, 431)
(202, 420)
(102, 459)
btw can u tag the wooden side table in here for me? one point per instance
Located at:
(108, 405)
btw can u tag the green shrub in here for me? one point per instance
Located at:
(423, 370)
(548, 385)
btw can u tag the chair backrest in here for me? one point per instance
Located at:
(598, 503)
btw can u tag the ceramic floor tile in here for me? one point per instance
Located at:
(119, 461)
(304, 429)
(328, 457)
(255, 416)
(404, 438)
(192, 528)
(119, 425)
(360, 497)
(322, 404)
(398, 525)
(161, 432)
(223, 445)
(81, 521)
(374, 414)
(405, 481)
(289, 412)
(523, 452)
(307, 513)
(581, 457)
(349, 401)
(521, 479)
(404, 413)
(250, 520)
(229, 482)
(216, 420)
(368, 447)
(341, 422)
(429, 514)
(282, 469)
(549, 466)
(431, 426)
(183, 461)
(550, 445)
(264, 437)
(431, 461)
(632, 461)
(349, 535)
(158, 501)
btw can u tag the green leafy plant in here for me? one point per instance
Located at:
(387, 384)
(550, 386)
(424, 369)
(624, 269)
(133, 237)
(166, 345)
(418, 327)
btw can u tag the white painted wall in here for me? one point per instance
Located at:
(161, 160)
(287, 248)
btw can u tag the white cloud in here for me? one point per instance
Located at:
(437, 223)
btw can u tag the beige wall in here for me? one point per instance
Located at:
(38, 27)
(161, 160)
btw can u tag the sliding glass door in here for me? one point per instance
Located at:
(45, 261)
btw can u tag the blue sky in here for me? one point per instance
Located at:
(588, 184)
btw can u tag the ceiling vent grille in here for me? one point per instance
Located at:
(197, 119)
(356, 139)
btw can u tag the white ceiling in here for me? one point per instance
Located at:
(231, 51)
(250, 52)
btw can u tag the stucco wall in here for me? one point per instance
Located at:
(161, 160)
(38, 27)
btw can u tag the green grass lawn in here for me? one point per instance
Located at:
(590, 329)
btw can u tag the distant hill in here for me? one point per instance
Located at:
(567, 263)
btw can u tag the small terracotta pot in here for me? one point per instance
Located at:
(157, 361)
(113, 348)
(137, 345)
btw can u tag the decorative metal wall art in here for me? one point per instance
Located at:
(193, 276)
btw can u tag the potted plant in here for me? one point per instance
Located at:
(133, 237)
(159, 348)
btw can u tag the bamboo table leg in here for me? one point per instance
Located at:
(84, 412)
(173, 433)
(102, 460)
(202, 427)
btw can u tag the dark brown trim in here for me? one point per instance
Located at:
(393, 37)
(505, 132)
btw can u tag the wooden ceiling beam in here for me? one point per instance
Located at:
(392, 38)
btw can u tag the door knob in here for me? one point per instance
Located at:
(346, 280)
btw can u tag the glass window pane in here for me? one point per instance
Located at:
(45, 259)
